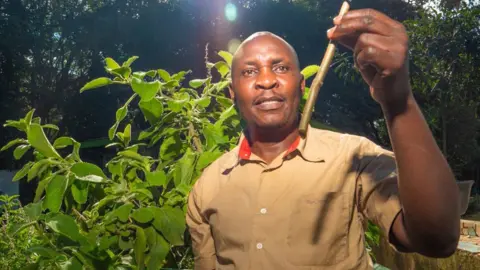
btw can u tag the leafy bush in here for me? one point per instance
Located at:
(130, 214)
(14, 249)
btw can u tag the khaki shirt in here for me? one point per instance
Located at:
(305, 210)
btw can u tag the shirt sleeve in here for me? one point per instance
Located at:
(377, 194)
(199, 229)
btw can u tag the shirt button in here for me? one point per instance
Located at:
(259, 245)
(263, 210)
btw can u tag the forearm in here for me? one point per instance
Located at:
(427, 186)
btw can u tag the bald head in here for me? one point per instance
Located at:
(264, 38)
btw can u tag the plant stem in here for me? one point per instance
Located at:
(78, 214)
(196, 141)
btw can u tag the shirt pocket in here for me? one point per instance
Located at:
(318, 230)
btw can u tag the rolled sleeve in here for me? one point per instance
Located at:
(199, 229)
(378, 192)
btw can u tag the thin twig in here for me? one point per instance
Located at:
(75, 211)
(196, 140)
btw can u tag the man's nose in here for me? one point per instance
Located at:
(266, 79)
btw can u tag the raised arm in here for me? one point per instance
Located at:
(429, 220)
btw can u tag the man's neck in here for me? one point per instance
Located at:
(269, 143)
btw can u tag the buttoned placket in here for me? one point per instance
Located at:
(262, 212)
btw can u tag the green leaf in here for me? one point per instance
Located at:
(62, 142)
(222, 85)
(113, 144)
(127, 134)
(20, 125)
(106, 242)
(88, 172)
(184, 168)
(122, 72)
(23, 227)
(33, 210)
(133, 155)
(206, 158)
(222, 68)
(55, 192)
(225, 115)
(196, 83)
(164, 75)
(140, 247)
(129, 61)
(171, 84)
(65, 225)
(142, 215)
(309, 71)
(159, 248)
(180, 76)
(96, 83)
(141, 74)
(12, 143)
(203, 102)
(106, 200)
(146, 90)
(37, 120)
(112, 130)
(213, 135)
(156, 178)
(43, 251)
(121, 113)
(227, 57)
(178, 103)
(143, 191)
(125, 243)
(28, 117)
(80, 191)
(38, 168)
(40, 189)
(51, 126)
(36, 137)
(225, 102)
(123, 212)
(111, 64)
(20, 151)
(170, 222)
(152, 110)
(171, 147)
(72, 263)
(306, 94)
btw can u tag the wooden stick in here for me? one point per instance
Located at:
(318, 80)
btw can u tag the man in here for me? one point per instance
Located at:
(280, 201)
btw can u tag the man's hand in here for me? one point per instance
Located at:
(380, 47)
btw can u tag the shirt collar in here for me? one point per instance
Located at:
(309, 149)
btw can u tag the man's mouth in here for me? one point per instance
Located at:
(267, 104)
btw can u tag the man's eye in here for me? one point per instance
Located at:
(248, 72)
(281, 69)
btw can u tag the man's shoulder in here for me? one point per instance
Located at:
(224, 161)
(338, 139)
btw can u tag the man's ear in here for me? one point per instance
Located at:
(302, 84)
(232, 93)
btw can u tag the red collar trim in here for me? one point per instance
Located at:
(245, 150)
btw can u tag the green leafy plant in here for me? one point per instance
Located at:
(130, 214)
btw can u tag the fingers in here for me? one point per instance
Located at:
(348, 27)
(386, 54)
(371, 14)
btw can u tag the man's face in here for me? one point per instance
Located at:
(267, 83)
